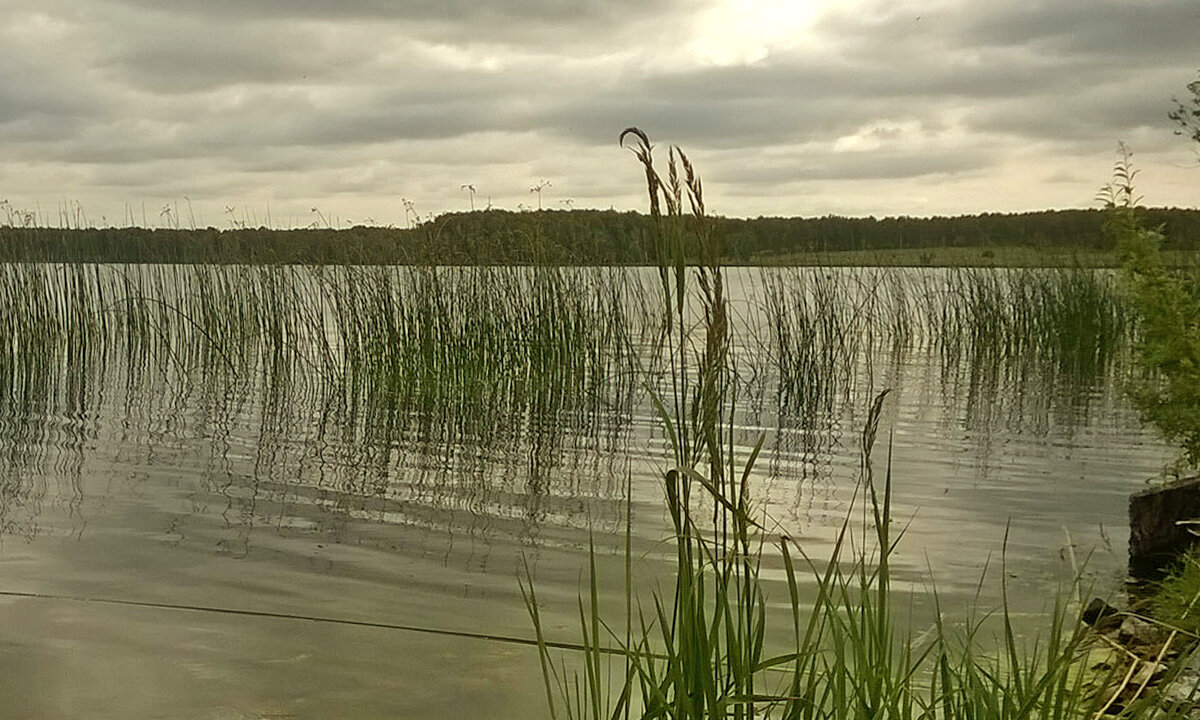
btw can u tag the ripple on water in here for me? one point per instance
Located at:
(281, 488)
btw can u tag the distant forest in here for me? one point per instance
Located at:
(575, 237)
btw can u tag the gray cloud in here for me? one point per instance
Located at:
(899, 164)
(182, 60)
(1103, 29)
(366, 101)
(462, 11)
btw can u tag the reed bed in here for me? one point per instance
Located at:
(1061, 332)
(386, 349)
(433, 390)
(476, 363)
(436, 340)
(701, 647)
(460, 348)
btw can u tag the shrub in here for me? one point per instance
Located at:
(1168, 307)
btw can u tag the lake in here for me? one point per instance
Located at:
(238, 492)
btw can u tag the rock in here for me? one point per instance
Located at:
(1101, 616)
(1184, 689)
(1137, 632)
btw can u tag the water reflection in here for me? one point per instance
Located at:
(476, 406)
(385, 443)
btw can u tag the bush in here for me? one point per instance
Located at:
(1168, 307)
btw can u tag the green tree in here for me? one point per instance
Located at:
(1187, 112)
(1168, 306)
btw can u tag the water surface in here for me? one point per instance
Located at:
(177, 443)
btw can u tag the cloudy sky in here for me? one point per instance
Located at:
(224, 111)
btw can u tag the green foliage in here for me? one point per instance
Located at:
(1187, 113)
(700, 650)
(1168, 307)
(1063, 328)
(1176, 600)
(578, 237)
(431, 351)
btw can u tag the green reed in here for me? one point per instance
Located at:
(473, 381)
(692, 652)
(423, 349)
(460, 342)
(1057, 332)
(701, 648)
(1073, 322)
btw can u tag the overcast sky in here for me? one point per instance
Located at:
(226, 110)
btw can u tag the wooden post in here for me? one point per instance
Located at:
(1155, 537)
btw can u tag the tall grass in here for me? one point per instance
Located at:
(480, 368)
(1060, 333)
(454, 348)
(424, 338)
(700, 648)
(374, 368)
(433, 349)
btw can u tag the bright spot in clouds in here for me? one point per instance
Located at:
(744, 32)
(877, 135)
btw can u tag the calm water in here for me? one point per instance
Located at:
(147, 488)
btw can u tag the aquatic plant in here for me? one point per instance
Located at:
(1176, 598)
(700, 649)
(1056, 334)
(383, 357)
(1168, 310)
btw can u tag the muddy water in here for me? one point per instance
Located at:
(177, 545)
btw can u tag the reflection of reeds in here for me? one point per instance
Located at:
(425, 339)
(473, 363)
(701, 649)
(450, 355)
(997, 333)
(389, 360)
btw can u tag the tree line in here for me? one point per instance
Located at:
(577, 237)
